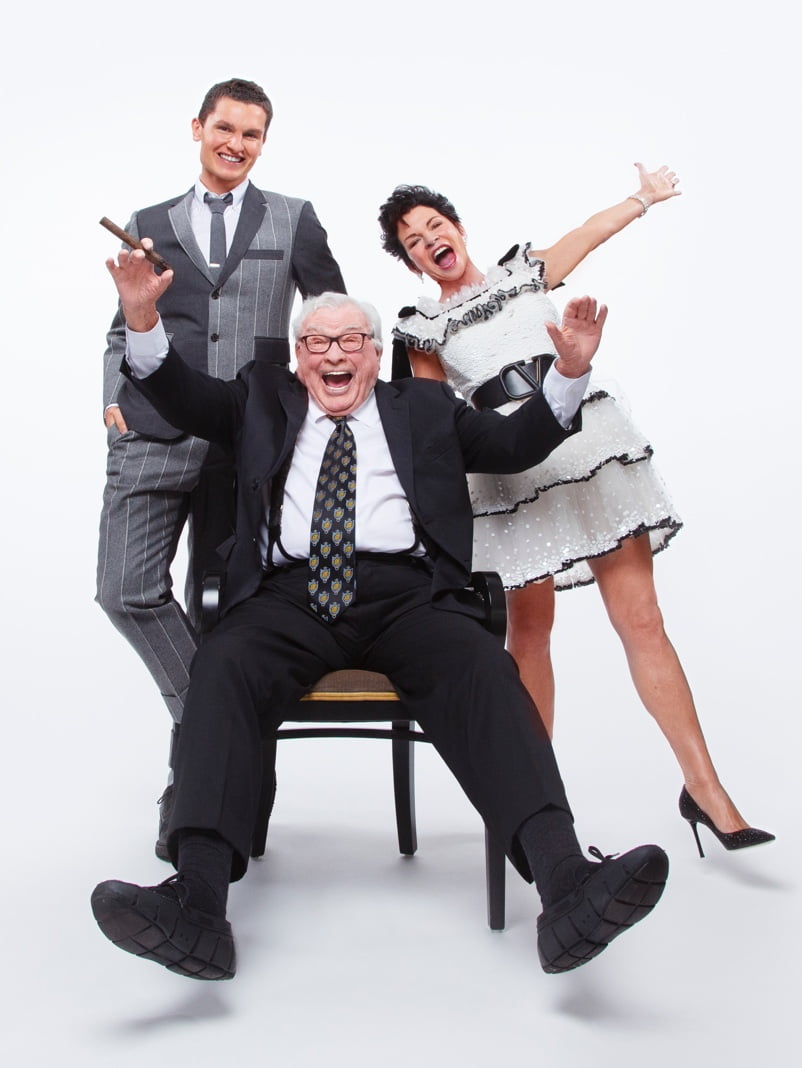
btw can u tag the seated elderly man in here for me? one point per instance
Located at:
(353, 549)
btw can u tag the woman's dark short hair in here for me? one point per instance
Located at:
(240, 90)
(403, 199)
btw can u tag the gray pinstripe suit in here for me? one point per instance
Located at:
(154, 477)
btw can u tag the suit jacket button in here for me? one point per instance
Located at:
(215, 337)
(255, 485)
(215, 294)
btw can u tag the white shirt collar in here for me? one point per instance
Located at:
(238, 192)
(367, 412)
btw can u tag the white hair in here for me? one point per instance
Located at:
(339, 300)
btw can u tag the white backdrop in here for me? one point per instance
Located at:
(529, 117)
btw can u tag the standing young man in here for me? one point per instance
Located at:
(238, 254)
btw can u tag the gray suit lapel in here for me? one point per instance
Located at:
(251, 215)
(182, 227)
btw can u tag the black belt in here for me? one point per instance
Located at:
(383, 558)
(396, 558)
(513, 382)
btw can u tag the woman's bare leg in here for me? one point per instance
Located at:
(530, 618)
(626, 583)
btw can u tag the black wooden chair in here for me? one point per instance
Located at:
(343, 698)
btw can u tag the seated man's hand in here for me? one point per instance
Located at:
(578, 339)
(139, 286)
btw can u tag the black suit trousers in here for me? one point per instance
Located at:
(457, 681)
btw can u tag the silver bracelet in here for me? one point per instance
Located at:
(641, 200)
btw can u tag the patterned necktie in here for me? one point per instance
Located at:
(217, 244)
(332, 549)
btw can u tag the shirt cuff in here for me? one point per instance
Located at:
(564, 395)
(145, 350)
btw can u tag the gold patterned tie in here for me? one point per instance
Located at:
(332, 549)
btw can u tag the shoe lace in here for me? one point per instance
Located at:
(176, 883)
(597, 854)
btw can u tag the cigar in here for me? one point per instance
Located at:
(134, 242)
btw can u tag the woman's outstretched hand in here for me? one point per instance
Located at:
(578, 338)
(657, 185)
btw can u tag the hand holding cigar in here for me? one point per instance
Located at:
(134, 242)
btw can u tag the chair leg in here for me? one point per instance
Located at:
(404, 788)
(266, 797)
(495, 869)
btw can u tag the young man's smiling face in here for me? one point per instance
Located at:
(338, 381)
(231, 140)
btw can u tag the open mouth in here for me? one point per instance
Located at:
(229, 159)
(338, 380)
(444, 256)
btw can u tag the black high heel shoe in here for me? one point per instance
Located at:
(749, 836)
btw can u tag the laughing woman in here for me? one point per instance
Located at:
(596, 510)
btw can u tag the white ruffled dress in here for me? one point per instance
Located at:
(597, 488)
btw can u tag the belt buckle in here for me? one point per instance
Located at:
(521, 379)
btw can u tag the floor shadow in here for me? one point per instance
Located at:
(588, 1001)
(746, 873)
(200, 1006)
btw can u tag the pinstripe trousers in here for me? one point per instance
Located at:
(146, 503)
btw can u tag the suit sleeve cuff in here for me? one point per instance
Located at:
(564, 395)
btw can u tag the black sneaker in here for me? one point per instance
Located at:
(157, 923)
(614, 897)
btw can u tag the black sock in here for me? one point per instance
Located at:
(555, 857)
(204, 864)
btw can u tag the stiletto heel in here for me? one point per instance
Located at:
(696, 836)
(749, 836)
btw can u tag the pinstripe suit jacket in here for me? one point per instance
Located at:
(220, 324)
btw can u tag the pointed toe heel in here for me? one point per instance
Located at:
(749, 836)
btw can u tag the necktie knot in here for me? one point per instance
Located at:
(217, 205)
(340, 423)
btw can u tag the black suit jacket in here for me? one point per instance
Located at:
(434, 439)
